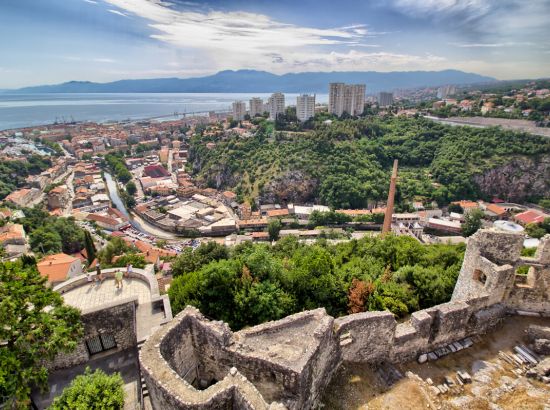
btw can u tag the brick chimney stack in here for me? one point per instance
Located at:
(391, 196)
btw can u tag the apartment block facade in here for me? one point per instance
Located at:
(256, 106)
(276, 105)
(348, 98)
(239, 110)
(385, 99)
(305, 107)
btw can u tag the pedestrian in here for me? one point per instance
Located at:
(90, 279)
(118, 279)
(129, 269)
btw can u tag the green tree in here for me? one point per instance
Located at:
(131, 188)
(36, 326)
(45, 240)
(273, 228)
(472, 222)
(95, 390)
(455, 208)
(116, 247)
(191, 260)
(89, 246)
(534, 230)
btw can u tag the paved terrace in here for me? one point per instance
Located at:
(152, 309)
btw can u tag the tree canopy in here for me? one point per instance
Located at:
(36, 325)
(254, 283)
(349, 162)
(95, 390)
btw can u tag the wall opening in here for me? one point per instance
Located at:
(524, 277)
(100, 343)
(479, 276)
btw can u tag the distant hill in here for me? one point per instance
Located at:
(247, 81)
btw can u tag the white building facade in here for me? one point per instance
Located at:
(276, 105)
(305, 107)
(239, 110)
(256, 106)
(348, 98)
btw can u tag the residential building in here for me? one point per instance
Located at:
(276, 105)
(530, 216)
(256, 106)
(57, 197)
(239, 110)
(385, 99)
(305, 107)
(23, 197)
(348, 98)
(59, 267)
(445, 91)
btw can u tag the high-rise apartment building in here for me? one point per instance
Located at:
(385, 99)
(348, 98)
(256, 106)
(445, 91)
(239, 110)
(305, 107)
(276, 105)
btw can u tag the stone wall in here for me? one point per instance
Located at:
(290, 361)
(117, 319)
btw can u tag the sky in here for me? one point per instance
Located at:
(54, 41)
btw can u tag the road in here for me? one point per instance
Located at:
(505, 123)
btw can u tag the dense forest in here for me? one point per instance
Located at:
(346, 164)
(254, 283)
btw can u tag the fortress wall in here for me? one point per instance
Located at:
(485, 292)
(366, 336)
(318, 371)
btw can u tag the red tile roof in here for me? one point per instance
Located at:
(530, 216)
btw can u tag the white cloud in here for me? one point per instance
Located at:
(215, 40)
(90, 1)
(493, 45)
(89, 59)
(469, 9)
(119, 13)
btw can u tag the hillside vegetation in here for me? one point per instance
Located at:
(347, 164)
(255, 283)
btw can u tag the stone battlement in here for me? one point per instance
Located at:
(195, 363)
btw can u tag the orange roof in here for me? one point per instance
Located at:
(530, 216)
(466, 204)
(252, 222)
(59, 190)
(14, 231)
(277, 212)
(16, 195)
(260, 235)
(55, 267)
(229, 194)
(497, 210)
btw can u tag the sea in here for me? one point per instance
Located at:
(26, 110)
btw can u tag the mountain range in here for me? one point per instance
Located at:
(248, 81)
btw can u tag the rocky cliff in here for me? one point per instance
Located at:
(517, 179)
(290, 187)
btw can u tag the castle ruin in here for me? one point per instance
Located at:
(195, 363)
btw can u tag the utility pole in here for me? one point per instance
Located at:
(391, 197)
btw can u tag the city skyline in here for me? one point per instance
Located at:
(54, 41)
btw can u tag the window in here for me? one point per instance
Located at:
(480, 276)
(100, 343)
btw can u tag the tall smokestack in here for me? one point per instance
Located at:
(391, 196)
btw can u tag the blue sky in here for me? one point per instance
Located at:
(52, 41)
